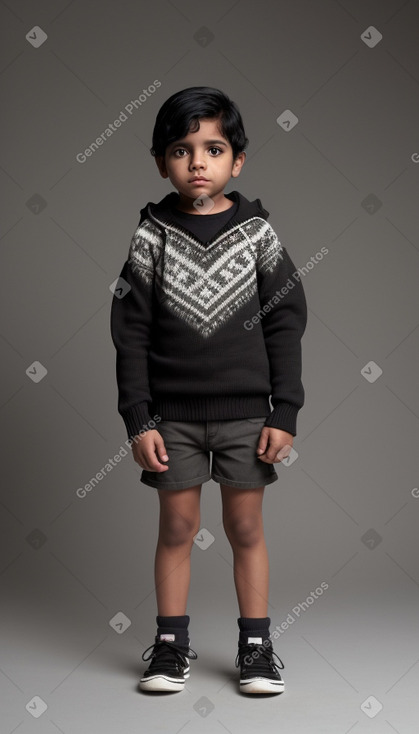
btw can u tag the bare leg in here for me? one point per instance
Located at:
(178, 524)
(243, 524)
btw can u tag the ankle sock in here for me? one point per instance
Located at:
(173, 629)
(254, 629)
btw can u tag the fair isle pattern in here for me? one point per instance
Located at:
(145, 250)
(205, 286)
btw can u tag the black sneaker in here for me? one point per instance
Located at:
(258, 671)
(169, 665)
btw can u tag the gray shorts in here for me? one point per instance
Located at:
(233, 444)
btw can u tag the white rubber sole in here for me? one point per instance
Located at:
(164, 682)
(261, 685)
(161, 683)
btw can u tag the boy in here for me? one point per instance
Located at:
(209, 326)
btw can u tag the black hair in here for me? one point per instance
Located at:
(181, 112)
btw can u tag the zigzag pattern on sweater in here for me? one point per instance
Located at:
(205, 285)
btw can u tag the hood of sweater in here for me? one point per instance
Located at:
(162, 214)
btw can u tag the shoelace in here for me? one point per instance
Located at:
(164, 653)
(263, 662)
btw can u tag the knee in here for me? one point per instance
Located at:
(176, 529)
(245, 531)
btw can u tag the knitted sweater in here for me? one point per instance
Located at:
(208, 330)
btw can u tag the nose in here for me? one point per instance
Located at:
(197, 160)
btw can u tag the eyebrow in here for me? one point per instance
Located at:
(206, 142)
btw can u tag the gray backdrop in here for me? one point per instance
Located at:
(329, 96)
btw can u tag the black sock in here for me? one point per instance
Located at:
(176, 628)
(254, 628)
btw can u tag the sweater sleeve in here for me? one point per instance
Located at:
(283, 319)
(131, 324)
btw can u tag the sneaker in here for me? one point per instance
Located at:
(169, 665)
(258, 671)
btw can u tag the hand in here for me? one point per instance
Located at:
(147, 449)
(274, 445)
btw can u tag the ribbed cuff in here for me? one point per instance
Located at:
(137, 419)
(180, 622)
(252, 623)
(254, 627)
(284, 417)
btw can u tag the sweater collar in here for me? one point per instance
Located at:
(162, 211)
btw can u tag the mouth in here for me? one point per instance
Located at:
(200, 179)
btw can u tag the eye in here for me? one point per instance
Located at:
(175, 152)
(217, 149)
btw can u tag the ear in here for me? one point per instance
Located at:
(161, 165)
(238, 164)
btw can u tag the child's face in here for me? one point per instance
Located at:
(203, 153)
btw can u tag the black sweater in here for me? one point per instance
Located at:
(208, 328)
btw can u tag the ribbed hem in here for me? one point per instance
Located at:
(217, 407)
(209, 408)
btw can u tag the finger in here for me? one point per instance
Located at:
(263, 442)
(275, 455)
(149, 461)
(152, 463)
(160, 448)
